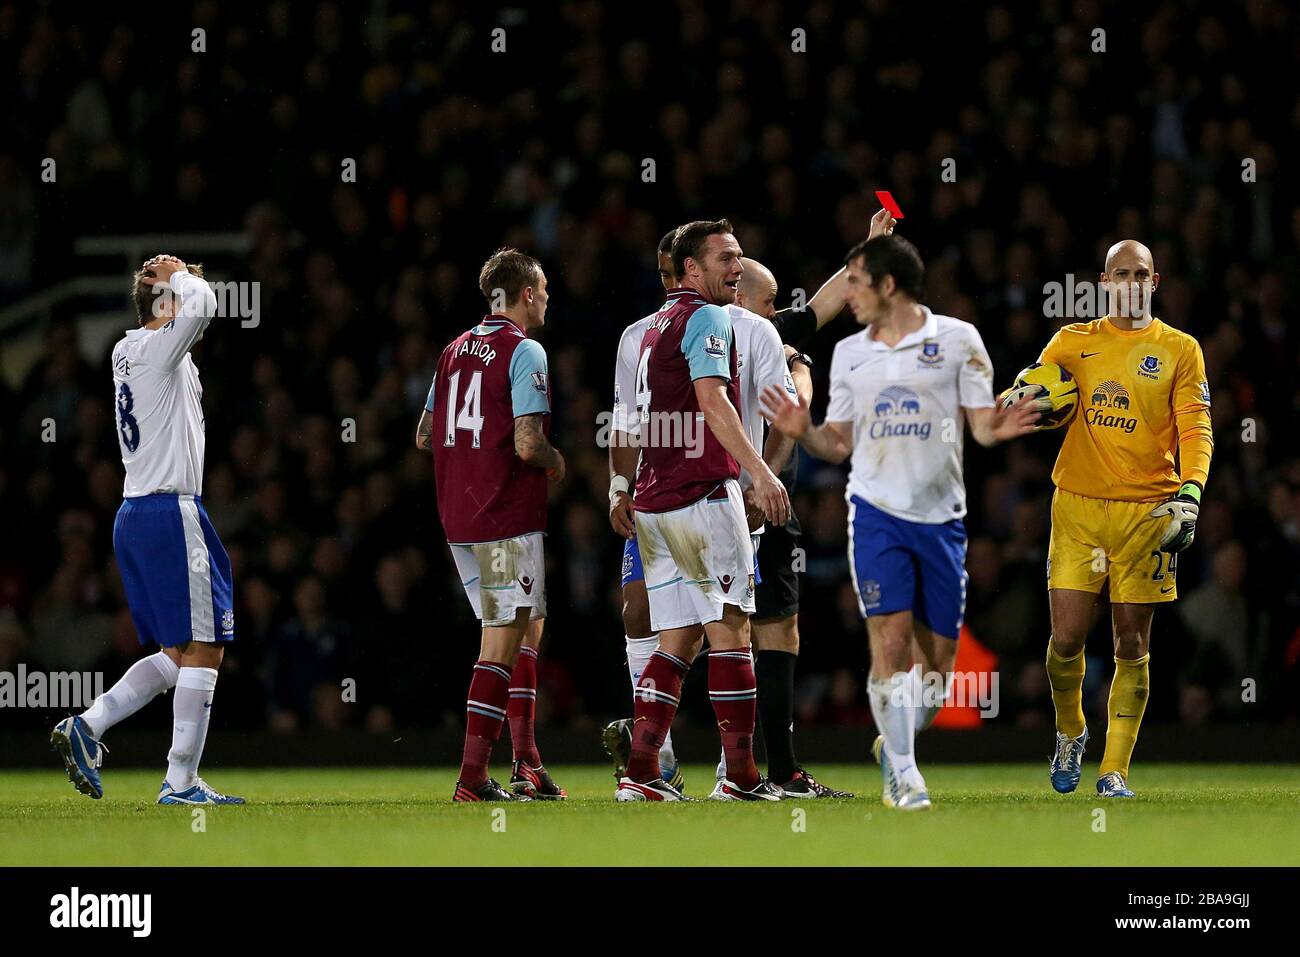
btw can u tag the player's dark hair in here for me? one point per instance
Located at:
(892, 256)
(689, 240)
(510, 271)
(665, 248)
(144, 296)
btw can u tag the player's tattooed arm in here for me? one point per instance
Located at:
(424, 431)
(532, 445)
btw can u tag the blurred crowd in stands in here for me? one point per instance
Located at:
(589, 135)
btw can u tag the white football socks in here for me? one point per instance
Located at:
(191, 711)
(927, 711)
(894, 706)
(145, 680)
(639, 651)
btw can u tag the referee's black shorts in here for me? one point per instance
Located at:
(777, 595)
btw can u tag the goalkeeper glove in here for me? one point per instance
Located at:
(1179, 515)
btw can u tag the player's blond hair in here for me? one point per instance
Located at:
(510, 271)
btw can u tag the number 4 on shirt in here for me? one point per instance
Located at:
(643, 387)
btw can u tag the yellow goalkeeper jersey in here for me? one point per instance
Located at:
(1143, 425)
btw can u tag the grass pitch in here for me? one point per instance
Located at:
(984, 814)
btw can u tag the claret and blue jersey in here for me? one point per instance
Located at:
(681, 460)
(486, 378)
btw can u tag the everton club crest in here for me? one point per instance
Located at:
(1149, 367)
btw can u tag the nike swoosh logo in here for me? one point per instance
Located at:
(207, 704)
(1088, 355)
(1118, 715)
(1166, 591)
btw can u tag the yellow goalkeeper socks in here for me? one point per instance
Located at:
(1128, 700)
(1066, 677)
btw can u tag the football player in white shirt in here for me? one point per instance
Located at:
(900, 393)
(175, 572)
(625, 429)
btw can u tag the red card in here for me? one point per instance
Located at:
(887, 201)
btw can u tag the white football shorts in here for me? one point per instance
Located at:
(501, 577)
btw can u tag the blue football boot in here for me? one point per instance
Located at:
(1067, 762)
(1112, 785)
(196, 793)
(82, 755)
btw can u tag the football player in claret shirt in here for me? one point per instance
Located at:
(776, 595)
(690, 517)
(1128, 479)
(487, 420)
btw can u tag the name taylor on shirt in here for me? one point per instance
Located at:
(477, 348)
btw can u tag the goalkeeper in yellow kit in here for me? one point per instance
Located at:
(1128, 479)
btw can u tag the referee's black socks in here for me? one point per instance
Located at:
(775, 673)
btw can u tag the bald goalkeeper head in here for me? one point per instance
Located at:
(1130, 280)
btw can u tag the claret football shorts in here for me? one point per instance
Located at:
(697, 559)
(1094, 540)
(501, 577)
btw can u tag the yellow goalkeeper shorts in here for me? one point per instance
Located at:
(1097, 539)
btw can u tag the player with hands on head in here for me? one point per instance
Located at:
(175, 571)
